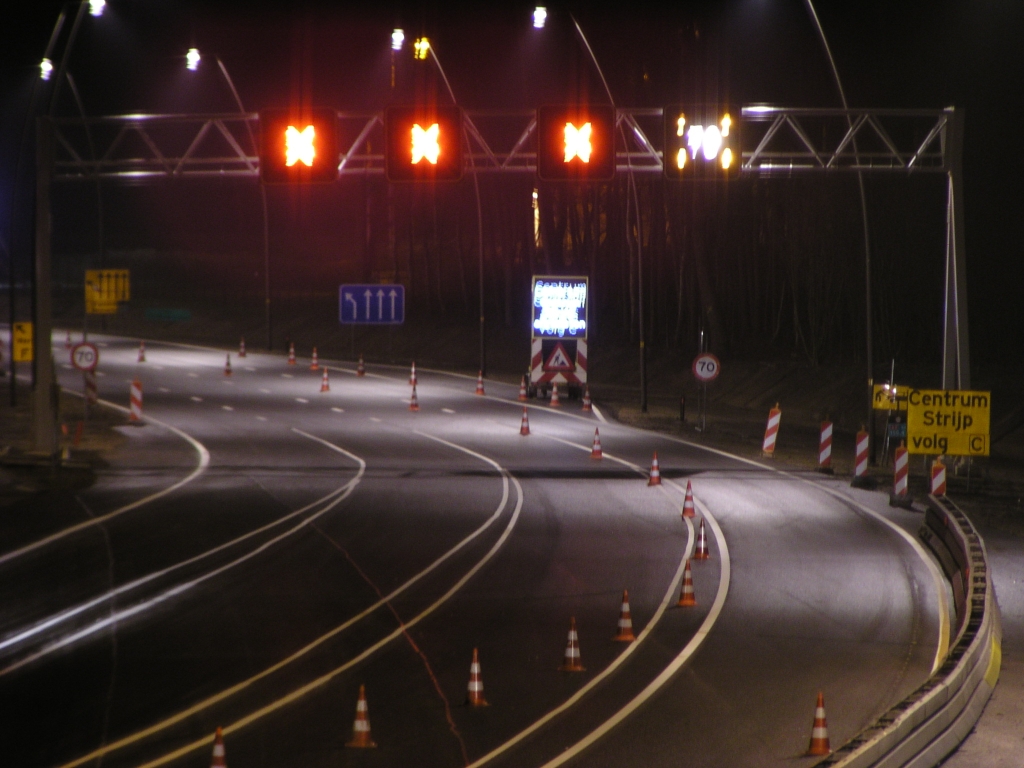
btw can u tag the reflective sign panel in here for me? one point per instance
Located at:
(560, 307)
(701, 142)
(576, 143)
(423, 143)
(299, 146)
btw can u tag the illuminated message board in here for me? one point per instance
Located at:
(560, 307)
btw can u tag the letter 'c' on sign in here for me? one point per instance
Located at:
(298, 146)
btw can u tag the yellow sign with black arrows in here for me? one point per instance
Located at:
(889, 397)
(950, 422)
(22, 338)
(104, 288)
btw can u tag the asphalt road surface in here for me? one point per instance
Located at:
(258, 549)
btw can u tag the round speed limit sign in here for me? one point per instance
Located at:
(85, 356)
(706, 367)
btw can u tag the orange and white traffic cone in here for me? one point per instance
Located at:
(587, 405)
(688, 508)
(819, 732)
(361, 367)
(361, 738)
(480, 383)
(702, 544)
(325, 384)
(315, 363)
(522, 390)
(218, 760)
(655, 478)
(475, 690)
(414, 402)
(291, 353)
(572, 651)
(142, 352)
(412, 374)
(524, 425)
(686, 596)
(241, 347)
(554, 397)
(227, 366)
(625, 633)
(595, 452)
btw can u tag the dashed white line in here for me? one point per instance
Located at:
(261, 418)
(250, 369)
(447, 410)
(265, 391)
(375, 419)
(165, 390)
(193, 375)
(336, 409)
(227, 408)
(196, 399)
(287, 376)
(301, 400)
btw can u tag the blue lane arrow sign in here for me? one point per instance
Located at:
(371, 304)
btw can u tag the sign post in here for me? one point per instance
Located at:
(558, 345)
(706, 367)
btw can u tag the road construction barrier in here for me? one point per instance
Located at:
(686, 594)
(360, 367)
(241, 347)
(291, 353)
(825, 448)
(412, 374)
(142, 351)
(314, 365)
(938, 477)
(819, 731)
(595, 451)
(900, 471)
(771, 432)
(523, 395)
(227, 366)
(475, 689)
(325, 382)
(701, 552)
(926, 726)
(361, 738)
(572, 651)
(218, 760)
(688, 507)
(860, 464)
(135, 402)
(655, 476)
(480, 383)
(588, 406)
(524, 425)
(414, 402)
(555, 402)
(625, 631)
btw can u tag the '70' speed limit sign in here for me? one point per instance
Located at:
(706, 367)
(85, 356)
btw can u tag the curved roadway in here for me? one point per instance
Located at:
(259, 549)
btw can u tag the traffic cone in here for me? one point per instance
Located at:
(475, 690)
(572, 651)
(554, 397)
(291, 353)
(414, 402)
(819, 732)
(361, 726)
(218, 760)
(412, 374)
(587, 405)
(625, 633)
(524, 425)
(361, 367)
(702, 544)
(315, 364)
(686, 596)
(522, 390)
(655, 478)
(325, 384)
(688, 509)
(595, 452)
(480, 383)
(227, 366)
(142, 351)
(241, 347)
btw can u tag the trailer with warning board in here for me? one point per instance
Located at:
(558, 342)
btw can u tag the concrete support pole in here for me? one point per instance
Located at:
(956, 356)
(44, 418)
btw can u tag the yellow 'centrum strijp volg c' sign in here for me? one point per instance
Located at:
(950, 422)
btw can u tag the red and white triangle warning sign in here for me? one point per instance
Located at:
(559, 360)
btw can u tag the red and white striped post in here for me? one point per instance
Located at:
(938, 477)
(901, 471)
(135, 398)
(860, 464)
(771, 432)
(825, 448)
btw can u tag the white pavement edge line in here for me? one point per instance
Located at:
(401, 630)
(180, 589)
(204, 462)
(228, 692)
(626, 653)
(677, 663)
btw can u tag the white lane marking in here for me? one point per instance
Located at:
(265, 391)
(667, 600)
(261, 418)
(165, 390)
(204, 461)
(158, 367)
(375, 420)
(67, 367)
(196, 399)
(335, 497)
(228, 381)
(317, 683)
(100, 373)
(677, 663)
(301, 400)
(447, 410)
(193, 375)
(336, 409)
(287, 376)
(250, 368)
(227, 408)
(598, 414)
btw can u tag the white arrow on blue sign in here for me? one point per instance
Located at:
(373, 304)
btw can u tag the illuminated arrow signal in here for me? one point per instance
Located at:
(298, 146)
(425, 143)
(577, 142)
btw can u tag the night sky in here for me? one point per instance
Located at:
(905, 54)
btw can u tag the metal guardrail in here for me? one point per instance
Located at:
(927, 725)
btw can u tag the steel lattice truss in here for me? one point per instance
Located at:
(774, 140)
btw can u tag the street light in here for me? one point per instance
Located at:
(192, 59)
(540, 17)
(421, 48)
(45, 69)
(96, 7)
(397, 39)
